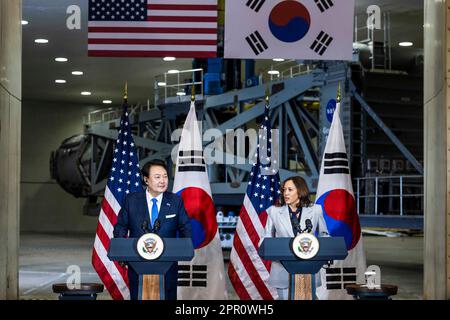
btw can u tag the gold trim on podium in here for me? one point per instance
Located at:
(151, 287)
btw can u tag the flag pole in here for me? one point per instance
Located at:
(338, 98)
(267, 94)
(193, 93)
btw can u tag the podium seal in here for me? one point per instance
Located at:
(150, 246)
(305, 246)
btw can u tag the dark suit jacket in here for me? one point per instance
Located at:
(173, 221)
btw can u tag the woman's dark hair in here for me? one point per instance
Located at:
(302, 191)
(146, 168)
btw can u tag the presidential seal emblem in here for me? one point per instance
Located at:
(305, 246)
(150, 246)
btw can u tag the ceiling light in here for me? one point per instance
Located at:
(405, 44)
(24, 22)
(107, 101)
(273, 72)
(86, 93)
(181, 93)
(41, 41)
(278, 59)
(77, 73)
(169, 58)
(162, 84)
(61, 59)
(60, 81)
(173, 71)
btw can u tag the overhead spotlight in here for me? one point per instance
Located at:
(61, 59)
(40, 41)
(107, 101)
(273, 72)
(86, 93)
(169, 58)
(60, 81)
(278, 59)
(173, 71)
(405, 44)
(181, 93)
(24, 22)
(162, 84)
(77, 73)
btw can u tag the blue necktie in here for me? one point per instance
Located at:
(154, 211)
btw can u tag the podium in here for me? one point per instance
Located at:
(279, 249)
(151, 272)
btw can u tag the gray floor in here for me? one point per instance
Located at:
(44, 259)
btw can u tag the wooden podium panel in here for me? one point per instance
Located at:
(151, 287)
(303, 287)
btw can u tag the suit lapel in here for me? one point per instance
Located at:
(145, 209)
(286, 221)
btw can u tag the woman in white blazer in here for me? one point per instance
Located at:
(295, 204)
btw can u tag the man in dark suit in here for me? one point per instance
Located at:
(142, 209)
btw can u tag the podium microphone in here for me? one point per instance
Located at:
(144, 226)
(296, 225)
(308, 226)
(156, 226)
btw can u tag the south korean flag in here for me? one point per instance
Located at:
(303, 29)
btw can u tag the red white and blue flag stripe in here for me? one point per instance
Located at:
(153, 28)
(249, 273)
(123, 179)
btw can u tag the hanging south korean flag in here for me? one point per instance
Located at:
(303, 29)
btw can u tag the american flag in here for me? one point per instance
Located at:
(247, 271)
(124, 178)
(152, 28)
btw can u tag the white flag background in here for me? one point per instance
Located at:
(304, 29)
(335, 195)
(204, 277)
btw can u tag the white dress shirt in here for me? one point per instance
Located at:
(150, 202)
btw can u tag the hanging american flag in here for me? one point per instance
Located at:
(152, 28)
(124, 178)
(248, 273)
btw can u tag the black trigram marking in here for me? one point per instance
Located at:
(191, 160)
(336, 163)
(195, 277)
(320, 45)
(324, 4)
(255, 4)
(338, 278)
(256, 42)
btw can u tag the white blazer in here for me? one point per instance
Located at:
(279, 226)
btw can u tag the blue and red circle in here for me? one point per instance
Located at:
(200, 209)
(289, 21)
(339, 211)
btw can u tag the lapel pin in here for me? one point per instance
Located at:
(168, 204)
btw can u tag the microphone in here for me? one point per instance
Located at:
(308, 226)
(144, 226)
(156, 226)
(296, 224)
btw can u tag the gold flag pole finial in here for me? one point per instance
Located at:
(338, 99)
(267, 95)
(193, 93)
(125, 96)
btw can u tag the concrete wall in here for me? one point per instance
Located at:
(10, 110)
(44, 205)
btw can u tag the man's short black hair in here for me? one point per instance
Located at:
(157, 162)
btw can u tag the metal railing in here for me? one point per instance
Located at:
(176, 86)
(379, 195)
